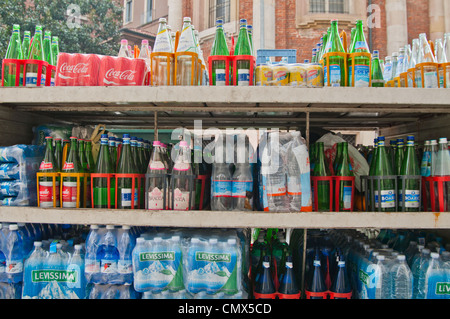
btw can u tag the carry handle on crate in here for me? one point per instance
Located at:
(290, 54)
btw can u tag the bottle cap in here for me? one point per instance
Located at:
(434, 255)
(140, 239)
(126, 135)
(401, 257)
(187, 19)
(124, 42)
(156, 143)
(48, 137)
(94, 226)
(13, 227)
(145, 42)
(37, 244)
(109, 226)
(443, 140)
(125, 227)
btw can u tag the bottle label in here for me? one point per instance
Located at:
(412, 198)
(32, 78)
(335, 75)
(360, 45)
(46, 194)
(69, 194)
(181, 199)
(45, 166)
(126, 197)
(425, 168)
(347, 197)
(68, 166)
(274, 190)
(431, 80)
(14, 266)
(125, 267)
(91, 266)
(157, 166)
(294, 187)
(222, 188)
(108, 266)
(387, 199)
(243, 77)
(162, 43)
(186, 42)
(362, 75)
(156, 199)
(239, 189)
(220, 77)
(183, 167)
(47, 275)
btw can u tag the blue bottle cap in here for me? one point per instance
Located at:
(381, 138)
(104, 135)
(410, 138)
(126, 135)
(112, 138)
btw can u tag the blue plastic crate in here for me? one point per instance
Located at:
(290, 54)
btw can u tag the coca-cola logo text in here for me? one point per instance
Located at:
(121, 75)
(76, 69)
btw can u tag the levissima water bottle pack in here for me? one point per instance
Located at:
(18, 167)
(190, 264)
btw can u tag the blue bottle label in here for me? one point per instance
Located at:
(362, 75)
(240, 188)
(412, 198)
(221, 188)
(126, 197)
(335, 75)
(347, 197)
(387, 199)
(243, 77)
(220, 77)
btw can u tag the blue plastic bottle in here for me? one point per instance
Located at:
(108, 255)
(316, 282)
(341, 283)
(437, 286)
(288, 281)
(401, 279)
(265, 285)
(419, 268)
(92, 264)
(76, 279)
(125, 264)
(140, 266)
(14, 255)
(195, 269)
(32, 286)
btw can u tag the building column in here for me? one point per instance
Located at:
(263, 24)
(396, 25)
(437, 19)
(175, 16)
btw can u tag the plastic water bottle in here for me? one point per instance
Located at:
(182, 190)
(420, 266)
(435, 279)
(92, 264)
(31, 288)
(14, 255)
(294, 186)
(108, 255)
(242, 188)
(26, 238)
(382, 290)
(401, 279)
(221, 185)
(194, 267)
(276, 184)
(125, 248)
(341, 283)
(288, 282)
(77, 286)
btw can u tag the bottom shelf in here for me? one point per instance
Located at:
(227, 219)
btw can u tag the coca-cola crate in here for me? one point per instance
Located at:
(118, 71)
(26, 72)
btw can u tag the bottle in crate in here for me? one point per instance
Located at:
(157, 187)
(376, 71)
(334, 61)
(344, 168)
(409, 167)
(14, 51)
(162, 65)
(361, 62)
(72, 187)
(242, 72)
(182, 192)
(104, 165)
(26, 44)
(220, 47)
(46, 190)
(426, 68)
(187, 65)
(323, 187)
(264, 284)
(47, 44)
(36, 53)
(124, 184)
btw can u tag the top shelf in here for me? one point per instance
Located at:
(284, 106)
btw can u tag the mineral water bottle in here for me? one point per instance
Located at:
(419, 268)
(219, 48)
(92, 264)
(341, 283)
(294, 184)
(126, 165)
(362, 63)
(108, 255)
(401, 279)
(336, 65)
(194, 280)
(157, 185)
(123, 52)
(426, 55)
(323, 187)
(76, 266)
(442, 168)
(125, 248)
(104, 165)
(409, 167)
(387, 189)
(316, 283)
(243, 47)
(265, 284)
(221, 187)
(14, 255)
(242, 188)
(182, 192)
(288, 282)
(436, 286)
(425, 167)
(382, 288)
(34, 263)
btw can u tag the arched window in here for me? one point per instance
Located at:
(219, 9)
(328, 6)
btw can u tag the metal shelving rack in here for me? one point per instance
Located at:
(259, 107)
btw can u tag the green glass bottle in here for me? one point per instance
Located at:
(336, 65)
(219, 47)
(48, 54)
(48, 165)
(337, 158)
(112, 152)
(55, 49)
(14, 51)
(134, 153)
(141, 155)
(26, 43)
(409, 167)
(398, 159)
(36, 53)
(250, 36)
(362, 64)
(377, 73)
(391, 150)
(323, 187)
(385, 187)
(104, 166)
(58, 152)
(89, 156)
(69, 184)
(126, 165)
(344, 168)
(242, 72)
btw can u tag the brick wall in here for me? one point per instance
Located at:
(418, 19)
